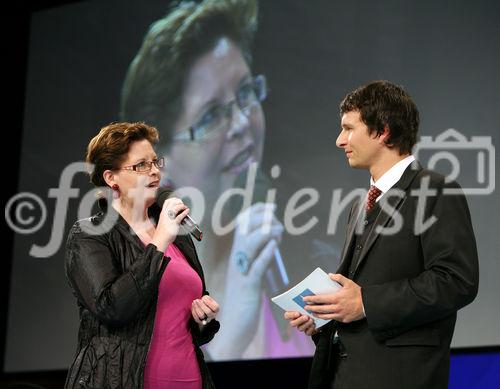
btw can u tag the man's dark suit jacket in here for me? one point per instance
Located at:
(412, 286)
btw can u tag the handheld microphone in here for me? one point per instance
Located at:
(187, 223)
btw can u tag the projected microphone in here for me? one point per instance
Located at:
(187, 223)
(275, 278)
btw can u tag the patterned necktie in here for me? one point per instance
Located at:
(373, 193)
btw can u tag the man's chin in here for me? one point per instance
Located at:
(352, 163)
(356, 165)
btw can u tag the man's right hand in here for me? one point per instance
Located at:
(302, 322)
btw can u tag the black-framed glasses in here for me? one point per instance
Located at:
(218, 118)
(145, 166)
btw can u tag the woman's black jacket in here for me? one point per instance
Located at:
(115, 279)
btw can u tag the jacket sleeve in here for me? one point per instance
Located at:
(200, 337)
(114, 296)
(449, 278)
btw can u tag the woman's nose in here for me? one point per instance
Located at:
(239, 124)
(155, 170)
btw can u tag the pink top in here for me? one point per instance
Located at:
(171, 361)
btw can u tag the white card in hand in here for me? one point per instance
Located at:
(315, 283)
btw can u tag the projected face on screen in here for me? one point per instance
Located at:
(215, 138)
(212, 131)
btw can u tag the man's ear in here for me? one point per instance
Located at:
(109, 177)
(385, 135)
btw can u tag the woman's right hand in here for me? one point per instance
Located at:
(256, 237)
(169, 224)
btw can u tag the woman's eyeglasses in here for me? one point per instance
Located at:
(145, 166)
(218, 118)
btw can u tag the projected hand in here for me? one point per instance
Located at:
(257, 234)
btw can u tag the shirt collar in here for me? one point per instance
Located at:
(393, 175)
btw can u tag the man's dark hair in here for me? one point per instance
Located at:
(380, 104)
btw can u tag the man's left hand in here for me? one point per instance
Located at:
(344, 306)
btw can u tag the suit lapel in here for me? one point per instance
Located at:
(351, 228)
(393, 202)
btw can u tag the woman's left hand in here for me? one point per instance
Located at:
(203, 310)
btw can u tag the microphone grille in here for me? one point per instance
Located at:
(162, 194)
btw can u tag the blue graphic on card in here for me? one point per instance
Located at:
(298, 299)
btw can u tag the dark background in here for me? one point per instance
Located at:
(446, 54)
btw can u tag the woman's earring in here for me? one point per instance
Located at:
(116, 191)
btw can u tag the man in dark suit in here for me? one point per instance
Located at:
(408, 264)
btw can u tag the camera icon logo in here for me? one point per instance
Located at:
(473, 160)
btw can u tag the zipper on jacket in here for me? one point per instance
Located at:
(149, 345)
(152, 332)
